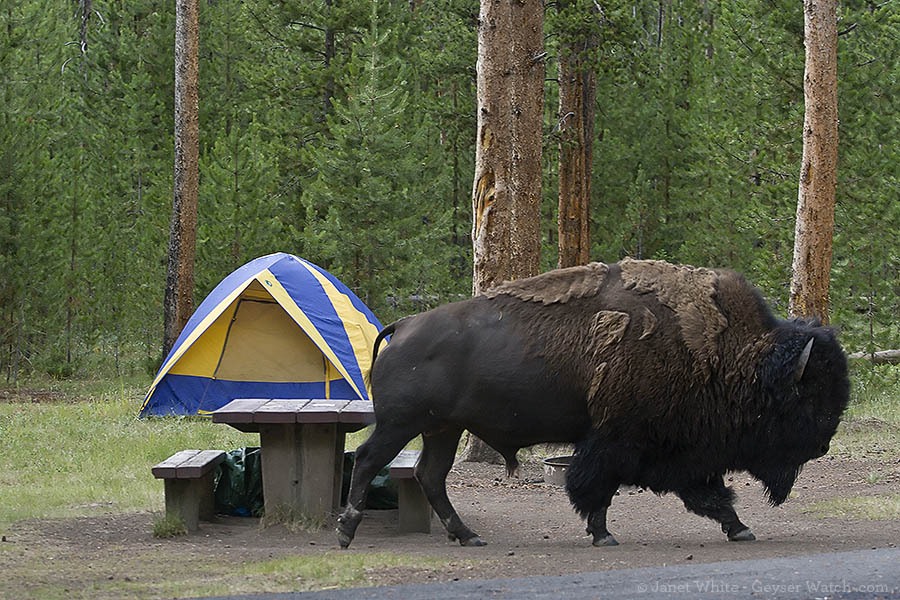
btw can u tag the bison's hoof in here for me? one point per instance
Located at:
(343, 539)
(472, 541)
(745, 535)
(346, 526)
(607, 540)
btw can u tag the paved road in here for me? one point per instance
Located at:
(844, 575)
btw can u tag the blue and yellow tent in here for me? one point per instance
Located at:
(278, 327)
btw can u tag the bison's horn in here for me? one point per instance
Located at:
(801, 362)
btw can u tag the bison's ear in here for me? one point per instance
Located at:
(801, 362)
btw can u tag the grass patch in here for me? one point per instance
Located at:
(874, 477)
(172, 571)
(93, 455)
(291, 518)
(332, 569)
(870, 508)
(168, 526)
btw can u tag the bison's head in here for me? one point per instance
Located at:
(806, 390)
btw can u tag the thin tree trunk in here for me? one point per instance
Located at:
(18, 352)
(179, 296)
(814, 231)
(577, 90)
(328, 55)
(506, 192)
(73, 255)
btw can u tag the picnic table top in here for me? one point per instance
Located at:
(252, 411)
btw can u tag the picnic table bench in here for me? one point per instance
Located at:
(415, 512)
(188, 477)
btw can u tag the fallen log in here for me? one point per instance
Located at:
(882, 357)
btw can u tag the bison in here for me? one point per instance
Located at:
(663, 376)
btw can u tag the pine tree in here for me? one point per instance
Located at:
(371, 220)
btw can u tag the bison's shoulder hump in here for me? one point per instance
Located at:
(690, 292)
(557, 286)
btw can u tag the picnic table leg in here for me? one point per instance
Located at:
(339, 443)
(207, 505)
(415, 511)
(183, 499)
(298, 468)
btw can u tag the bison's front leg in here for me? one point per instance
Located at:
(438, 452)
(712, 499)
(596, 526)
(591, 491)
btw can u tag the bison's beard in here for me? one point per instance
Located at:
(777, 481)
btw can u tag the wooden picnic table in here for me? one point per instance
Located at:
(302, 445)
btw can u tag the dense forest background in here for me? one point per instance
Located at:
(342, 131)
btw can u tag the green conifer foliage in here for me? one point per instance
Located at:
(371, 218)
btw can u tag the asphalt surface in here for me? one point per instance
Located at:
(843, 575)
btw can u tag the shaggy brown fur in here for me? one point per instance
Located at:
(648, 323)
(690, 292)
(555, 287)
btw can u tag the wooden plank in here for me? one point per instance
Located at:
(359, 412)
(404, 465)
(238, 411)
(167, 468)
(321, 411)
(279, 411)
(199, 465)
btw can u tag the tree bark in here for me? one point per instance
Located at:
(577, 91)
(179, 294)
(506, 192)
(814, 231)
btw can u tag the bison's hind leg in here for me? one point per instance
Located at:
(712, 499)
(438, 452)
(381, 447)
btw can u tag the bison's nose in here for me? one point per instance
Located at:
(823, 450)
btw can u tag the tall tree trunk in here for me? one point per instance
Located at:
(577, 90)
(813, 236)
(179, 296)
(506, 192)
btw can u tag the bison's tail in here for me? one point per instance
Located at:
(378, 339)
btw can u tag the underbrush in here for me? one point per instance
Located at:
(871, 425)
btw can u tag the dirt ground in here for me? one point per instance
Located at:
(528, 524)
